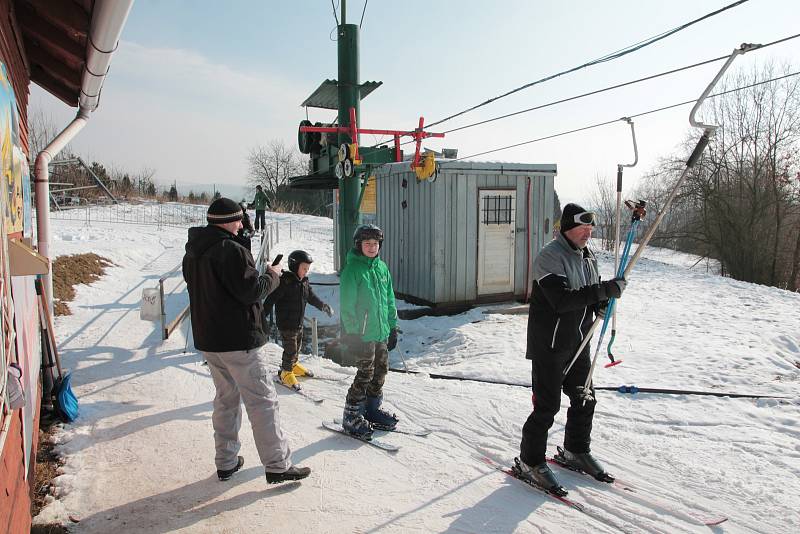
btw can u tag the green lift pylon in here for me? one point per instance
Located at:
(349, 97)
(351, 164)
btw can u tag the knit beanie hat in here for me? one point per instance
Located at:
(223, 210)
(568, 221)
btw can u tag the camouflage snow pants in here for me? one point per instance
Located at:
(373, 364)
(292, 341)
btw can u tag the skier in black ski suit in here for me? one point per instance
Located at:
(225, 296)
(289, 300)
(567, 294)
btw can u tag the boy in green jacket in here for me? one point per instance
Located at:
(369, 328)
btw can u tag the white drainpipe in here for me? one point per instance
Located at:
(108, 19)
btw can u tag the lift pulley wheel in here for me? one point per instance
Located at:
(347, 167)
(344, 152)
(426, 167)
(304, 139)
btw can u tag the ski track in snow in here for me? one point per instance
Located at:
(140, 458)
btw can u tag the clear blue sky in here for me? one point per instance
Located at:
(195, 84)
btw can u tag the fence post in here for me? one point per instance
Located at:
(163, 313)
(314, 339)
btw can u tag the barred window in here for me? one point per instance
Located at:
(496, 209)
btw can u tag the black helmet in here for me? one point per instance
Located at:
(367, 231)
(297, 257)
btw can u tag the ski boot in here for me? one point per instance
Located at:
(582, 461)
(353, 421)
(289, 379)
(380, 419)
(540, 476)
(300, 370)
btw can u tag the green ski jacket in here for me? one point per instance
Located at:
(260, 201)
(367, 298)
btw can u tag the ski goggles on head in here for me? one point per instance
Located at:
(585, 217)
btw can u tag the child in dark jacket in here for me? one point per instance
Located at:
(289, 300)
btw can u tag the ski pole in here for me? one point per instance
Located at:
(708, 133)
(638, 213)
(611, 302)
(616, 228)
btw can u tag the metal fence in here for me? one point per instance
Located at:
(146, 214)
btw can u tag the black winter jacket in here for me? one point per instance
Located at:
(225, 291)
(566, 294)
(289, 301)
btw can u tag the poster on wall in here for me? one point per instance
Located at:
(19, 319)
(11, 169)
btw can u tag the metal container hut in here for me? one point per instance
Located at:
(468, 234)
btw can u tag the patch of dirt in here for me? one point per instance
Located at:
(50, 528)
(69, 271)
(45, 470)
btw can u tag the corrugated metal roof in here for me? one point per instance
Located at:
(455, 165)
(327, 94)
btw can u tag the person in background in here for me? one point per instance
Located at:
(260, 205)
(246, 231)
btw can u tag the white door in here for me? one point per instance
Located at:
(496, 227)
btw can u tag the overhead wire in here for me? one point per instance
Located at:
(605, 123)
(606, 89)
(608, 57)
(335, 16)
(362, 13)
(612, 87)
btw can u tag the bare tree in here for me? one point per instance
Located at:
(42, 130)
(741, 202)
(271, 166)
(603, 201)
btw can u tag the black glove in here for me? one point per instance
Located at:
(327, 310)
(392, 342)
(613, 288)
(601, 309)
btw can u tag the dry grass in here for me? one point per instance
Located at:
(69, 271)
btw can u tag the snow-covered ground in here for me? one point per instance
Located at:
(140, 458)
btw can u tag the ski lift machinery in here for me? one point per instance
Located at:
(349, 158)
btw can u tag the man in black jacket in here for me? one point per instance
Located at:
(567, 295)
(225, 296)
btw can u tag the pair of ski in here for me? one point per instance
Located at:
(313, 397)
(336, 426)
(620, 487)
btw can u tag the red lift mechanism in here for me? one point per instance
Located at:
(353, 130)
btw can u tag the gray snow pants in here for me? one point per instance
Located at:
(243, 376)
